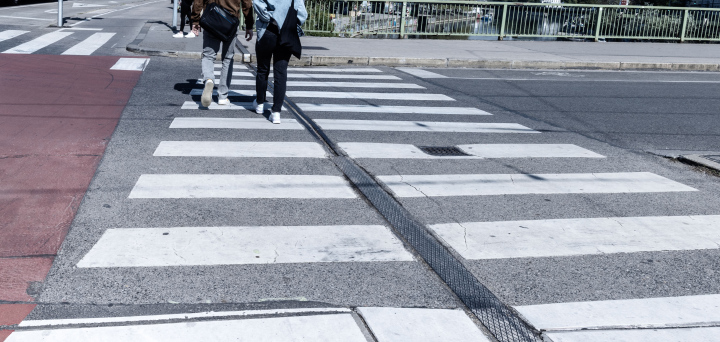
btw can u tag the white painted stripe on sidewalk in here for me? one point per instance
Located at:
(240, 149)
(234, 123)
(390, 151)
(627, 313)
(321, 328)
(422, 126)
(240, 186)
(580, 236)
(10, 34)
(522, 184)
(476, 151)
(182, 316)
(709, 334)
(89, 45)
(322, 107)
(131, 64)
(528, 151)
(376, 96)
(421, 73)
(38, 43)
(194, 246)
(427, 325)
(337, 84)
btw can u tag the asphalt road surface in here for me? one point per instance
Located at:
(550, 188)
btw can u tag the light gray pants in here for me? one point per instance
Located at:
(211, 46)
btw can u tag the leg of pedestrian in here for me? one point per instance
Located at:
(228, 51)
(280, 64)
(264, 48)
(211, 45)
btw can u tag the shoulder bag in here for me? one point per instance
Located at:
(219, 22)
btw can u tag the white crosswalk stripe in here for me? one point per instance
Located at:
(421, 126)
(240, 149)
(292, 84)
(10, 34)
(582, 236)
(38, 43)
(323, 76)
(192, 246)
(89, 45)
(342, 95)
(234, 123)
(474, 151)
(240, 186)
(321, 107)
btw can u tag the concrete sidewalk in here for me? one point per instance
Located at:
(156, 39)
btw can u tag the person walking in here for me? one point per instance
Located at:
(212, 45)
(185, 12)
(278, 38)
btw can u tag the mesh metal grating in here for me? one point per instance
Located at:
(443, 151)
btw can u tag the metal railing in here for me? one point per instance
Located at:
(502, 19)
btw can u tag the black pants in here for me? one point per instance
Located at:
(266, 48)
(185, 12)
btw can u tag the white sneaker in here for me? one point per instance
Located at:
(206, 97)
(224, 102)
(259, 108)
(275, 118)
(190, 35)
(179, 34)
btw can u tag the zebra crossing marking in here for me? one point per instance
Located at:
(204, 246)
(182, 316)
(38, 43)
(339, 70)
(421, 126)
(637, 335)
(214, 106)
(240, 149)
(90, 44)
(663, 312)
(131, 64)
(10, 34)
(337, 84)
(332, 76)
(325, 327)
(235, 73)
(341, 95)
(475, 151)
(350, 108)
(234, 123)
(580, 236)
(240, 186)
(523, 184)
(421, 73)
(427, 325)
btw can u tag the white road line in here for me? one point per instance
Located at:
(339, 70)
(338, 327)
(421, 73)
(337, 84)
(194, 246)
(25, 18)
(131, 64)
(235, 73)
(376, 96)
(10, 34)
(38, 43)
(321, 76)
(89, 45)
(581, 236)
(421, 126)
(237, 149)
(627, 313)
(240, 186)
(215, 106)
(234, 123)
(321, 107)
(528, 151)
(475, 151)
(235, 66)
(427, 325)
(638, 335)
(521, 184)
(238, 92)
(390, 151)
(183, 316)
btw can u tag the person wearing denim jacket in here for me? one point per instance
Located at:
(271, 15)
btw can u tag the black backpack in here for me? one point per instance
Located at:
(219, 22)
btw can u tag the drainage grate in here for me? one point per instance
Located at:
(443, 151)
(714, 158)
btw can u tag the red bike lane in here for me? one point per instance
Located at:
(57, 114)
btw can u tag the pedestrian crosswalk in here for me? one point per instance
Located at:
(87, 43)
(383, 110)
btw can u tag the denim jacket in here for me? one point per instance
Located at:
(279, 14)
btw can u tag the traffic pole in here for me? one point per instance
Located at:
(60, 13)
(175, 7)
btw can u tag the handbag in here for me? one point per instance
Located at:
(219, 22)
(290, 33)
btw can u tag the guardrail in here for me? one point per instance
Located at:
(501, 19)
